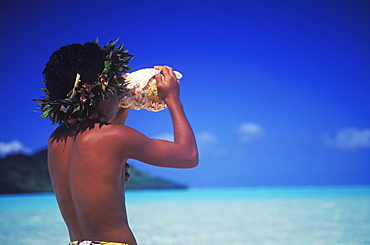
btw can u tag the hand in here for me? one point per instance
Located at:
(127, 175)
(168, 87)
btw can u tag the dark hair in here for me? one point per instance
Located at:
(60, 71)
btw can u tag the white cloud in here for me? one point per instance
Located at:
(207, 138)
(204, 138)
(349, 138)
(209, 143)
(250, 132)
(206, 142)
(14, 146)
(165, 136)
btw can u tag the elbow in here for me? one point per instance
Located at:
(194, 163)
(185, 162)
(193, 160)
(186, 159)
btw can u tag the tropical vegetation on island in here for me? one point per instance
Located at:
(20, 173)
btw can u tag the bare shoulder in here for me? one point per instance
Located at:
(120, 134)
(118, 138)
(102, 134)
(106, 142)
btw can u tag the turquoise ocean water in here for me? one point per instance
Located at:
(238, 216)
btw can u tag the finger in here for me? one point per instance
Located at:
(160, 68)
(159, 79)
(127, 177)
(170, 69)
(164, 69)
(168, 72)
(158, 76)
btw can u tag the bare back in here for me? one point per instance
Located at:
(88, 177)
(87, 161)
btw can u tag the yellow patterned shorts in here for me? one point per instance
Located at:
(96, 243)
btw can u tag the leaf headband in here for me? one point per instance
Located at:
(79, 102)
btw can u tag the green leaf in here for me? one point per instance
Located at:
(115, 42)
(64, 108)
(46, 113)
(107, 64)
(77, 108)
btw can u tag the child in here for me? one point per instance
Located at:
(88, 152)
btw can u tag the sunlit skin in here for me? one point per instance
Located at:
(87, 164)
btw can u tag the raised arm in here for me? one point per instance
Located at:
(169, 91)
(182, 153)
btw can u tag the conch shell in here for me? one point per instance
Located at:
(141, 90)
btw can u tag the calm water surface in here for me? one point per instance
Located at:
(302, 215)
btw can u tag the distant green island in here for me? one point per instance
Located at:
(20, 173)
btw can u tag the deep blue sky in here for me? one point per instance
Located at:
(277, 91)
